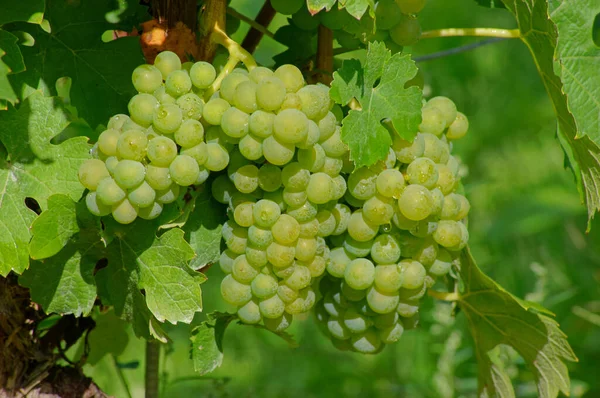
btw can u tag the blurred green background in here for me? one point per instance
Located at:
(527, 228)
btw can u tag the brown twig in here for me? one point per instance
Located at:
(264, 18)
(324, 55)
(170, 12)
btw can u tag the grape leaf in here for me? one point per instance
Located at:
(203, 230)
(207, 342)
(301, 45)
(31, 11)
(539, 33)
(108, 337)
(314, 6)
(101, 72)
(64, 282)
(496, 317)
(35, 168)
(378, 86)
(11, 61)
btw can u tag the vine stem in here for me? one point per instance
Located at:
(152, 361)
(478, 32)
(253, 24)
(325, 55)
(262, 20)
(235, 50)
(446, 296)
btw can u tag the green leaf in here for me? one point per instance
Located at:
(496, 317)
(35, 168)
(31, 11)
(109, 337)
(378, 86)
(203, 230)
(357, 8)
(53, 228)
(301, 45)
(11, 61)
(540, 34)
(207, 342)
(314, 6)
(101, 72)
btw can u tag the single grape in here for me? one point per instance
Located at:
(226, 260)
(229, 84)
(244, 97)
(132, 145)
(142, 196)
(269, 177)
(184, 170)
(291, 101)
(266, 213)
(218, 157)
(407, 32)
(214, 109)
(315, 101)
(387, 14)
(413, 274)
(270, 93)
(259, 73)
(189, 134)
(390, 183)
(382, 303)
(246, 178)
(446, 180)
(441, 265)
(96, 206)
(299, 278)
(234, 122)
(312, 136)
(295, 177)
(433, 121)
(281, 256)
(161, 151)
(167, 62)
(107, 141)
(129, 173)
(124, 212)
(109, 192)
(278, 324)
(458, 128)
(92, 172)
(342, 214)
(416, 202)
(272, 307)
(334, 146)
(427, 252)
(290, 126)
(465, 206)
(306, 250)
(446, 107)
(378, 210)
(202, 74)
(191, 106)
(277, 152)
(327, 126)
(285, 230)
(168, 195)
(361, 229)
(360, 273)
(117, 121)
(388, 278)
(290, 75)
(234, 292)
(242, 271)
(249, 313)
(260, 123)
(312, 159)
(339, 258)
(309, 229)
(448, 233)
(303, 212)
(146, 78)
(320, 188)
(250, 147)
(178, 83)
(141, 108)
(422, 171)
(158, 177)
(362, 183)
(259, 237)
(167, 118)
(150, 212)
(385, 249)
(411, 6)
(264, 286)
(406, 151)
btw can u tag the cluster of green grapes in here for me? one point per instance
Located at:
(395, 21)
(281, 186)
(404, 227)
(141, 161)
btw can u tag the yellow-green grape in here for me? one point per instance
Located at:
(433, 121)
(272, 307)
(305, 301)
(378, 210)
(244, 97)
(312, 137)
(264, 286)
(270, 94)
(142, 196)
(124, 212)
(390, 183)
(422, 171)
(132, 145)
(107, 141)
(416, 202)
(129, 173)
(448, 233)
(342, 214)
(117, 121)
(315, 101)
(161, 151)
(385, 249)
(387, 14)
(269, 177)
(287, 294)
(213, 110)
(235, 123)
(290, 126)
(334, 146)
(189, 134)
(391, 334)
(388, 278)
(109, 192)
(339, 187)
(327, 126)
(407, 32)
(260, 123)
(234, 292)
(442, 264)
(309, 229)
(410, 6)
(242, 271)
(259, 73)
(178, 83)
(131, 125)
(167, 118)
(339, 259)
(266, 213)
(259, 237)
(167, 62)
(250, 147)
(320, 188)
(291, 77)
(191, 106)
(313, 158)
(304, 212)
(407, 151)
(256, 257)
(95, 206)
(446, 180)
(464, 238)
(202, 74)
(276, 152)
(291, 101)
(146, 78)
(281, 256)
(361, 229)
(299, 278)
(229, 84)
(226, 260)
(306, 249)
(184, 170)
(249, 313)
(427, 252)
(218, 157)
(465, 206)
(355, 322)
(150, 212)
(337, 329)
(237, 240)
(360, 273)
(158, 177)
(366, 343)
(362, 183)
(168, 195)
(458, 128)
(278, 324)
(246, 178)
(243, 215)
(413, 274)
(294, 177)
(286, 230)
(91, 172)
(451, 207)
(446, 106)
(382, 303)
(161, 95)
(326, 223)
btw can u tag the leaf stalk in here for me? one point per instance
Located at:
(475, 32)
(445, 296)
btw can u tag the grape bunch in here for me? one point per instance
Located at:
(403, 228)
(142, 161)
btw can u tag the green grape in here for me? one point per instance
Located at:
(168, 195)
(427, 252)
(454, 165)
(390, 183)
(287, 7)
(290, 126)
(339, 259)
(272, 307)
(366, 343)
(306, 249)
(234, 123)
(229, 84)
(388, 279)
(226, 260)
(260, 123)
(312, 136)
(281, 256)
(446, 180)
(250, 147)
(337, 329)
(124, 212)
(259, 73)
(317, 266)
(383, 321)
(214, 109)
(287, 294)
(407, 309)
(465, 206)
(178, 83)
(320, 188)
(291, 76)
(92, 172)
(458, 128)
(117, 121)
(242, 271)
(146, 78)
(276, 152)
(327, 126)
(107, 141)
(202, 74)
(407, 32)
(392, 333)
(95, 206)
(286, 230)
(305, 301)
(438, 201)
(304, 212)
(355, 322)
(406, 151)
(339, 187)
(234, 292)
(236, 238)
(162, 97)
(362, 183)
(244, 97)
(132, 145)
(256, 257)
(413, 274)
(309, 229)
(410, 6)
(342, 214)
(446, 107)
(291, 101)
(416, 202)
(387, 14)
(304, 20)
(141, 108)
(385, 249)
(382, 303)
(312, 159)
(378, 210)
(109, 192)
(299, 278)
(433, 121)
(184, 170)
(264, 286)
(189, 134)
(327, 223)
(167, 62)
(266, 213)
(315, 101)
(270, 93)
(158, 177)
(269, 177)
(422, 171)
(434, 148)
(129, 173)
(278, 324)
(161, 151)
(450, 234)
(246, 178)
(131, 125)
(361, 229)
(441, 265)
(150, 212)
(259, 237)
(334, 146)
(332, 166)
(360, 273)
(347, 40)
(249, 313)
(167, 118)
(295, 177)
(218, 157)
(142, 196)
(191, 106)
